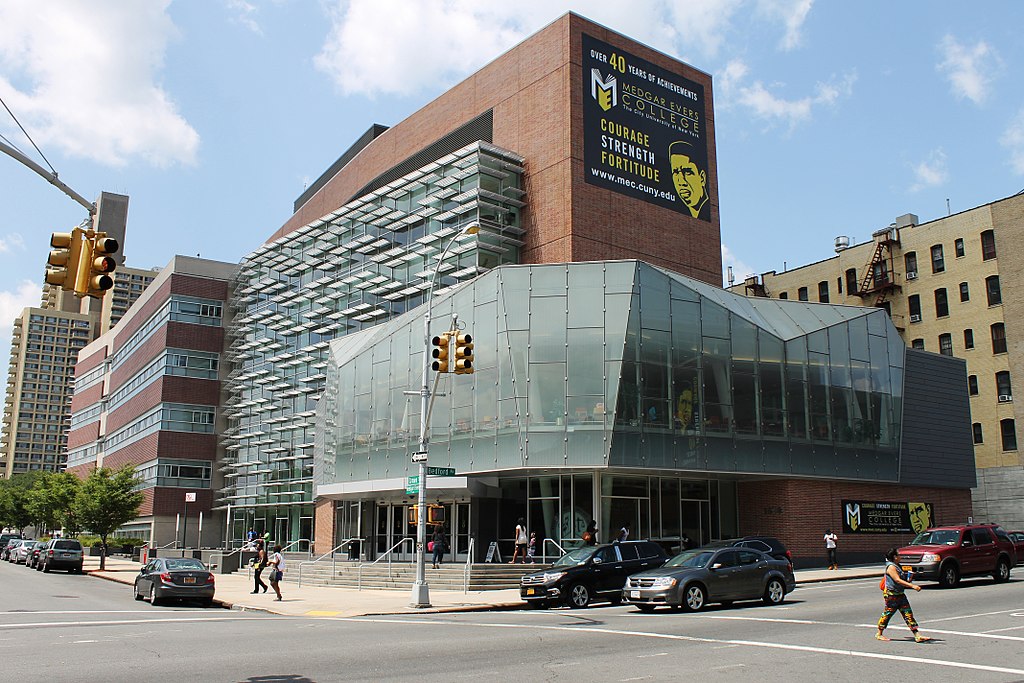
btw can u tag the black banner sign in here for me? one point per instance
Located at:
(868, 517)
(644, 130)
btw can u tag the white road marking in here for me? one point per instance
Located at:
(656, 654)
(728, 666)
(695, 639)
(1000, 630)
(972, 616)
(126, 622)
(75, 642)
(984, 634)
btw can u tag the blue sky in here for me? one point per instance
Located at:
(832, 118)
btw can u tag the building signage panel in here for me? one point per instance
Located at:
(871, 517)
(644, 132)
(441, 471)
(412, 485)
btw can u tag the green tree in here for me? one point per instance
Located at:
(52, 501)
(106, 500)
(14, 500)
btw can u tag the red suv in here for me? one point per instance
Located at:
(946, 553)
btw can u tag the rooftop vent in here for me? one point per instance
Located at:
(842, 243)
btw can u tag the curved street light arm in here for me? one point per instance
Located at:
(49, 177)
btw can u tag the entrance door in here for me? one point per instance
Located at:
(460, 531)
(281, 535)
(392, 525)
(622, 511)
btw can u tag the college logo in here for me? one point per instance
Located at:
(605, 91)
(853, 516)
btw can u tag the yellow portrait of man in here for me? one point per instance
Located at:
(690, 181)
(920, 517)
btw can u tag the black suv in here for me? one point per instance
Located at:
(590, 573)
(61, 553)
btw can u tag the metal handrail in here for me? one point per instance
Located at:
(168, 545)
(359, 574)
(469, 564)
(329, 552)
(544, 552)
(299, 540)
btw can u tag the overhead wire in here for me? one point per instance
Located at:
(25, 132)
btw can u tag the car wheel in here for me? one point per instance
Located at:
(135, 591)
(537, 604)
(39, 566)
(154, 599)
(646, 609)
(774, 593)
(694, 598)
(949, 575)
(1002, 573)
(579, 596)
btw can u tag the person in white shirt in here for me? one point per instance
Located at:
(277, 567)
(830, 548)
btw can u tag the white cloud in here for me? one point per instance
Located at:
(27, 294)
(11, 241)
(245, 15)
(765, 104)
(83, 77)
(1013, 140)
(932, 172)
(968, 68)
(792, 14)
(740, 270)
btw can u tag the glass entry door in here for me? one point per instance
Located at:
(392, 526)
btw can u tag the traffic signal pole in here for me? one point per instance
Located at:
(49, 177)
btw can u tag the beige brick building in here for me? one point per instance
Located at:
(951, 286)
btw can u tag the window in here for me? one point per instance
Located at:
(998, 338)
(1009, 433)
(946, 344)
(941, 303)
(917, 344)
(938, 262)
(995, 295)
(914, 303)
(783, 295)
(823, 291)
(968, 339)
(976, 428)
(988, 245)
(972, 385)
(965, 292)
(1003, 388)
(802, 294)
(851, 281)
(958, 246)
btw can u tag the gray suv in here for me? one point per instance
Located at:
(61, 553)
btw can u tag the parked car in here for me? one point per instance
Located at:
(172, 577)
(32, 561)
(1018, 544)
(947, 553)
(590, 573)
(61, 553)
(21, 553)
(6, 538)
(766, 544)
(694, 578)
(8, 551)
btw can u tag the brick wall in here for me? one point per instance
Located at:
(323, 525)
(170, 389)
(179, 445)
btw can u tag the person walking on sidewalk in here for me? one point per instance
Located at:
(258, 566)
(440, 544)
(894, 585)
(277, 570)
(830, 548)
(522, 540)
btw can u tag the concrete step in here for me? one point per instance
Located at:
(402, 575)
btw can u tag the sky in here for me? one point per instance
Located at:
(832, 118)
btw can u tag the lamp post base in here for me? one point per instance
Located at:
(420, 596)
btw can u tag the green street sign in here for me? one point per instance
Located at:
(412, 484)
(441, 471)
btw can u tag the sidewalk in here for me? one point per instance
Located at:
(233, 592)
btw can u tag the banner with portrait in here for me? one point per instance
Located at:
(644, 130)
(873, 517)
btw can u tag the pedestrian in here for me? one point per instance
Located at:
(522, 540)
(531, 548)
(259, 565)
(590, 535)
(685, 542)
(250, 537)
(894, 584)
(623, 533)
(440, 543)
(277, 570)
(830, 548)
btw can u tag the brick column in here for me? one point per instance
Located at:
(323, 526)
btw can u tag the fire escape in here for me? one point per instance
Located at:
(879, 279)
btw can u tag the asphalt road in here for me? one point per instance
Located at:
(69, 627)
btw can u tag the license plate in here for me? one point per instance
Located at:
(531, 591)
(65, 554)
(634, 595)
(190, 579)
(907, 568)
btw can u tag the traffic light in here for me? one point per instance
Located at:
(65, 258)
(440, 352)
(463, 354)
(101, 264)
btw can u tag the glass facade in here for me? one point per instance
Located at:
(351, 270)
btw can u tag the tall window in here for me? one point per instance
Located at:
(946, 344)
(972, 385)
(839, 285)
(823, 291)
(995, 295)
(965, 292)
(910, 260)
(914, 303)
(998, 338)
(988, 245)
(802, 294)
(1003, 387)
(941, 303)
(917, 344)
(851, 281)
(968, 339)
(1009, 432)
(958, 245)
(976, 427)
(938, 262)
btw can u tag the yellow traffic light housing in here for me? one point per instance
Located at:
(65, 258)
(101, 264)
(463, 354)
(440, 352)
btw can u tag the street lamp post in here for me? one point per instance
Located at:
(420, 590)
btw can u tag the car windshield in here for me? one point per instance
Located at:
(177, 565)
(695, 559)
(937, 537)
(575, 557)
